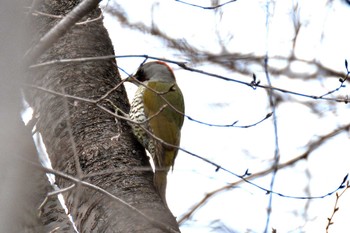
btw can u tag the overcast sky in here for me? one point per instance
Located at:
(256, 27)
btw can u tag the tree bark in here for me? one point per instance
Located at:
(84, 141)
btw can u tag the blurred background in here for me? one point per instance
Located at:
(281, 76)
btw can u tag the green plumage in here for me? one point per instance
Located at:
(167, 122)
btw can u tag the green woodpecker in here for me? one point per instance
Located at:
(159, 105)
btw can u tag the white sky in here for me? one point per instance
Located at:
(324, 37)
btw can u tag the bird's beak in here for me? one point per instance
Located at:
(132, 79)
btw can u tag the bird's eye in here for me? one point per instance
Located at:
(140, 75)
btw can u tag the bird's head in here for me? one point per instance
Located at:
(154, 72)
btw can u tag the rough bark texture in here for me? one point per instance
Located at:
(108, 154)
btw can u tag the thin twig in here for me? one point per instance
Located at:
(77, 165)
(206, 7)
(51, 194)
(336, 207)
(72, 60)
(60, 29)
(184, 66)
(35, 13)
(311, 148)
(217, 166)
(160, 94)
(77, 181)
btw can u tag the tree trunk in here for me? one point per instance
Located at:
(84, 141)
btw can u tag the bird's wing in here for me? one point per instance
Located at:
(166, 124)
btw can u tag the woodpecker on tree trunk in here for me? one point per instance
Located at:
(159, 106)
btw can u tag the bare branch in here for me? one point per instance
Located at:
(60, 29)
(53, 193)
(36, 13)
(272, 102)
(183, 65)
(107, 194)
(336, 207)
(73, 60)
(247, 176)
(206, 7)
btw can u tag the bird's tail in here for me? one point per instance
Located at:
(160, 181)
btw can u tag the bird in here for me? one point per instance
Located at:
(157, 115)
